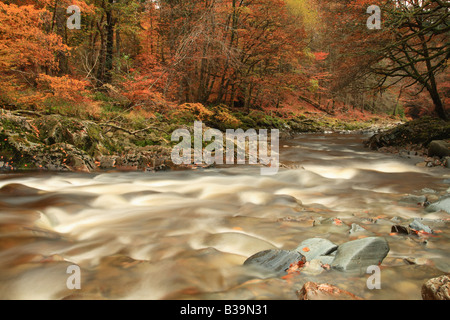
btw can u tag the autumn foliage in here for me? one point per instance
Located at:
(160, 56)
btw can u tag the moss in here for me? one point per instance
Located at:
(418, 132)
(15, 158)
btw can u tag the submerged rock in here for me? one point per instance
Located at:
(315, 247)
(419, 226)
(277, 261)
(313, 268)
(356, 229)
(412, 199)
(315, 291)
(437, 288)
(359, 254)
(327, 260)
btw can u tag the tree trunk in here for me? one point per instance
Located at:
(438, 105)
(110, 26)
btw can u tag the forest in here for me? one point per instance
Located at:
(152, 59)
(99, 198)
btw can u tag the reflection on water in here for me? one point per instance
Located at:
(185, 235)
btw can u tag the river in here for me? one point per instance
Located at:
(186, 234)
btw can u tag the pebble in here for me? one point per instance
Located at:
(313, 268)
(356, 228)
(326, 259)
(418, 261)
(418, 226)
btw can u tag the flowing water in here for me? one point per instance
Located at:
(186, 234)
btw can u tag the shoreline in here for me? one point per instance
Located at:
(54, 143)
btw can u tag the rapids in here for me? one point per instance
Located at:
(186, 234)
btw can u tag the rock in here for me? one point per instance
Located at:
(395, 219)
(418, 261)
(110, 134)
(419, 226)
(313, 268)
(315, 247)
(439, 148)
(277, 261)
(421, 164)
(326, 259)
(443, 204)
(428, 190)
(314, 291)
(432, 198)
(447, 162)
(107, 162)
(400, 229)
(356, 228)
(357, 255)
(329, 221)
(437, 288)
(412, 199)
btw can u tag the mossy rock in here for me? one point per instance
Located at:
(418, 132)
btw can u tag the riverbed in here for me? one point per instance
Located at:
(185, 234)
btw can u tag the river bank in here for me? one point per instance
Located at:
(426, 141)
(57, 143)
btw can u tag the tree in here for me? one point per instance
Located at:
(419, 49)
(26, 50)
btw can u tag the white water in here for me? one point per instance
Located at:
(185, 234)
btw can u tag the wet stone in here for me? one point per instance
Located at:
(315, 247)
(277, 261)
(326, 259)
(437, 289)
(359, 254)
(419, 226)
(443, 204)
(313, 268)
(400, 229)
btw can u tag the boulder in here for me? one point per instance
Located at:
(315, 247)
(315, 291)
(277, 261)
(359, 254)
(437, 288)
(439, 148)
